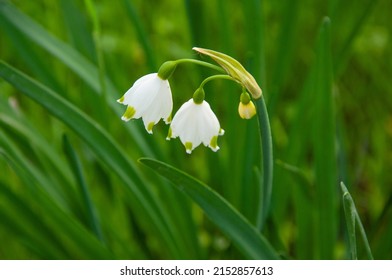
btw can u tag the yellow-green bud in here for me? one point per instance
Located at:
(246, 108)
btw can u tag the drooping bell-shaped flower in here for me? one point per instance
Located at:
(195, 123)
(150, 98)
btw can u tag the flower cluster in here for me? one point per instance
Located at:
(150, 98)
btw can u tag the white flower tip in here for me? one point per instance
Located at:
(214, 148)
(121, 100)
(221, 132)
(168, 119)
(169, 134)
(149, 127)
(188, 147)
(125, 119)
(129, 113)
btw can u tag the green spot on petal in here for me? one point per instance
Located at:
(169, 134)
(121, 100)
(214, 143)
(129, 113)
(168, 120)
(150, 126)
(188, 147)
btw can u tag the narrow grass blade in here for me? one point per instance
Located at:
(284, 54)
(78, 28)
(141, 33)
(76, 167)
(104, 147)
(344, 53)
(325, 162)
(100, 59)
(352, 218)
(267, 161)
(349, 211)
(252, 244)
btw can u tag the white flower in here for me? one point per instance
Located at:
(195, 124)
(150, 97)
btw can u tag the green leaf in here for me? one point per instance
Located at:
(267, 161)
(324, 137)
(252, 244)
(353, 219)
(76, 167)
(349, 211)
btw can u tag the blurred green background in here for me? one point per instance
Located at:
(67, 193)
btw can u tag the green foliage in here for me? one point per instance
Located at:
(71, 186)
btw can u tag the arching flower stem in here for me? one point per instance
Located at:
(202, 63)
(216, 77)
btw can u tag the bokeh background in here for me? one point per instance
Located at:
(325, 68)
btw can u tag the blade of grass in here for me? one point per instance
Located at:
(78, 28)
(349, 212)
(104, 147)
(325, 162)
(267, 162)
(252, 244)
(283, 57)
(101, 62)
(344, 53)
(352, 218)
(76, 167)
(141, 33)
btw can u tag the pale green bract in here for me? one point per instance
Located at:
(235, 70)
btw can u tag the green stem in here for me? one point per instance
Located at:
(215, 77)
(267, 163)
(202, 63)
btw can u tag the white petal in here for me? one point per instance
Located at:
(128, 96)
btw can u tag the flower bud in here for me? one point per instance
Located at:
(246, 108)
